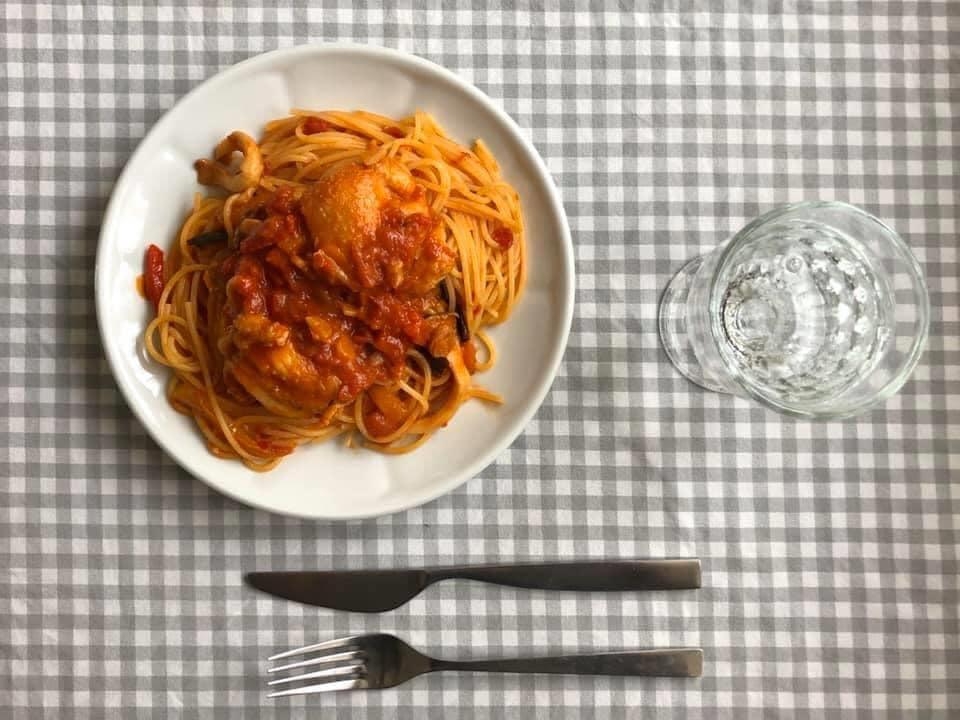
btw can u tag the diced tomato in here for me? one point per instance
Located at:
(153, 275)
(248, 286)
(272, 231)
(315, 125)
(377, 423)
(392, 347)
(394, 131)
(395, 316)
(503, 237)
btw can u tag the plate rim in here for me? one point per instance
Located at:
(532, 157)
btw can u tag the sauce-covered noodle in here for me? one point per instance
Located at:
(339, 282)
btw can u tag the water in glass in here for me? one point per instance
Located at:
(805, 310)
(815, 309)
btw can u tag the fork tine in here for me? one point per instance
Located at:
(328, 645)
(322, 660)
(335, 672)
(354, 684)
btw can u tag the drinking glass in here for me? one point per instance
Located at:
(816, 309)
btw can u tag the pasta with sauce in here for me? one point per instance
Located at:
(337, 281)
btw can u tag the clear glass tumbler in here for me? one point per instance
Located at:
(816, 309)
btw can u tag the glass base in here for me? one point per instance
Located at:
(673, 327)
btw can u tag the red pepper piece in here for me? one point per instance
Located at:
(153, 275)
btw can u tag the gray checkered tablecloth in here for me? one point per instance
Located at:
(830, 551)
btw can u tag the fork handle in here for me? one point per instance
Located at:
(666, 662)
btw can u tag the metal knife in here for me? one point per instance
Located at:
(381, 590)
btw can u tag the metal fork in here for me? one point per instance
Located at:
(383, 661)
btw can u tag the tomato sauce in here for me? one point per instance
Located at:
(313, 341)
(314, 125)
(503, 237)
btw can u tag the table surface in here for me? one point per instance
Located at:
(829, 550)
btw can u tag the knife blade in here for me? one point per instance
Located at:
(373, 591)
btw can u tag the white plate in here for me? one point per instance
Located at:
(154, 194)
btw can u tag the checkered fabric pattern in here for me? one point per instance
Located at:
(830, 550)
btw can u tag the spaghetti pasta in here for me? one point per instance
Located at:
(336, 281)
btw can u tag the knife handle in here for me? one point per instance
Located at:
(612, 575)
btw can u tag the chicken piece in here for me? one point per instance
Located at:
(297, 381)
(372, 229)
(250, 329)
